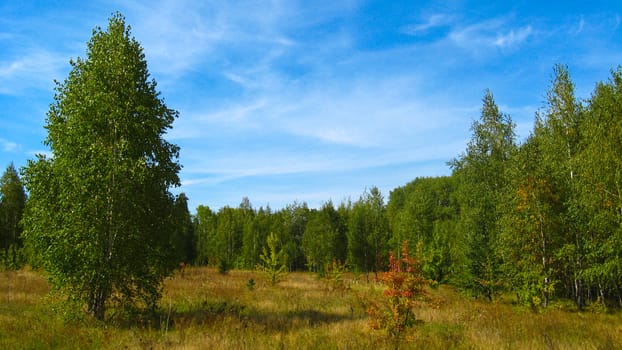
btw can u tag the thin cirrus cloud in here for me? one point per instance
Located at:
(490, 33)
(431, 22)
(224, 34)
(499, 32)
(9, 146)
(33, 69)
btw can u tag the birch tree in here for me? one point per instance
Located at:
(100, 213)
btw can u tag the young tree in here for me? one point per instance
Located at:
(531, 225)
(405, 290)
(558, 133)
(273, 260)
(601, 188)
(100, 212)
(480, 174)
(12, 202)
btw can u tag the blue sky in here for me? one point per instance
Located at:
(284, 101)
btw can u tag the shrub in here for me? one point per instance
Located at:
(405, 290)
(273, 260)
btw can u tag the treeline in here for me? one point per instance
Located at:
(311, 239)
(541, 218)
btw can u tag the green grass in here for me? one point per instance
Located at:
(206, 310)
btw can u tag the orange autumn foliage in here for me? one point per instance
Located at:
(405, 290)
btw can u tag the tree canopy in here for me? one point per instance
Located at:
(100, 213)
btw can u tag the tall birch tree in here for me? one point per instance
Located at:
(100, 212)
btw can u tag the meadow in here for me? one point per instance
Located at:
(202, 309)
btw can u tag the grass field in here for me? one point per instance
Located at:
(202, 309)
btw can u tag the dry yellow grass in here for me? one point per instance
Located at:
(23, 286)
(202, 309)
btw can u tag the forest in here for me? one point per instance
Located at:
(540, 218)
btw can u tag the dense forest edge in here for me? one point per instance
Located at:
(540, 219)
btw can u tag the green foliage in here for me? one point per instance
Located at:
(256, 229)
(294, 219)
(424, 212)
(13, 258)
(227, 240)
(600, 196)
(184, 237)
(531, 226)
(223, 266)
(481, 177)
(273, 260)
(100, 214)
(12, 203)
(323, 235)
(204, 223)
(368, 233)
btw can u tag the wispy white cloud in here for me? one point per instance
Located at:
(35, 69)
(432, 21)
(174, 44)
(490, 33)
(327, 140)
(380, 114)
(9, 146)
(209, 33)
(578, 28)
(376, 112)
(513, 37)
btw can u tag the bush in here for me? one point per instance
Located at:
(273, 261)
(405, 290)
